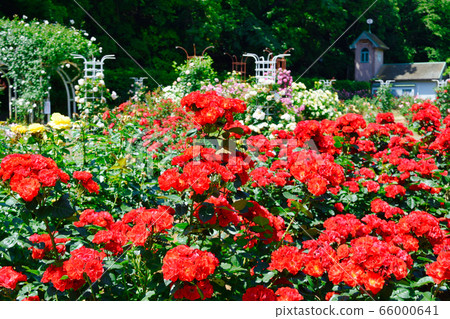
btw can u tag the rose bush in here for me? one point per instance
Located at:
(145, 202)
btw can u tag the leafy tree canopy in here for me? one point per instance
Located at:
(150, 29)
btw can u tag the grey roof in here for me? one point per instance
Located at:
(372, 38)
(412, 71)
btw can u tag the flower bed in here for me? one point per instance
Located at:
(140, 203)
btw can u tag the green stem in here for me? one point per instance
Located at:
(191, 219)
(52, 238)
(200, 292)
(88, 280)
(83, 141)
(437, 289)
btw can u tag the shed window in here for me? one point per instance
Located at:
(407, 92)
(365, 55)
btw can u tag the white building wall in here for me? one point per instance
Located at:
(426, 90)
(421, 89)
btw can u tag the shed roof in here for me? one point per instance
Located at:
(372, 38)
(412, 71)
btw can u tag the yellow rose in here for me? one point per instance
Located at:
(36, 128)
(18, 129)
(60, 122)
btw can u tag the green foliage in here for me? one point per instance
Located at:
(32, 51)
(351, 86)
(384, 97)
(150, 30)
(443, 98)
(193, 74)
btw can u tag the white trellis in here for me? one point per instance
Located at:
(68, 84)
(326, 84)
(265, 69)
(94, 69)
(138, 83)
(441, 83)
(385, 83)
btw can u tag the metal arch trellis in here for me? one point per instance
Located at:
(67, 81)
(238, 66)
(281, 62)
(265, 70)
(189, 57)
(68, 84)
(11, 92)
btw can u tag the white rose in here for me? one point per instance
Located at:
(262, 125)
(254, 128)
(259, 115)
(291, 126)
(81, 81)
(286, 117)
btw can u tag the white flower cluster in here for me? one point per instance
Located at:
(174, 92)
(316, 104)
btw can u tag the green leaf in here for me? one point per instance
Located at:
(290, 196)
(237, 130)
(121, 164)
(240, 204)
(148, 295)
(191, 133)
(219, 281)
(206, 212)
(410, 202)
(257, 229)
(338, 140)
(174, 198)
(423, 281)
(262, 221)
(268, 276)
(9, 242)
(401, 294)
(11, 201)
(427, 295)
(305, 211)
(181, 225)
(428, 260)
(60, 209)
